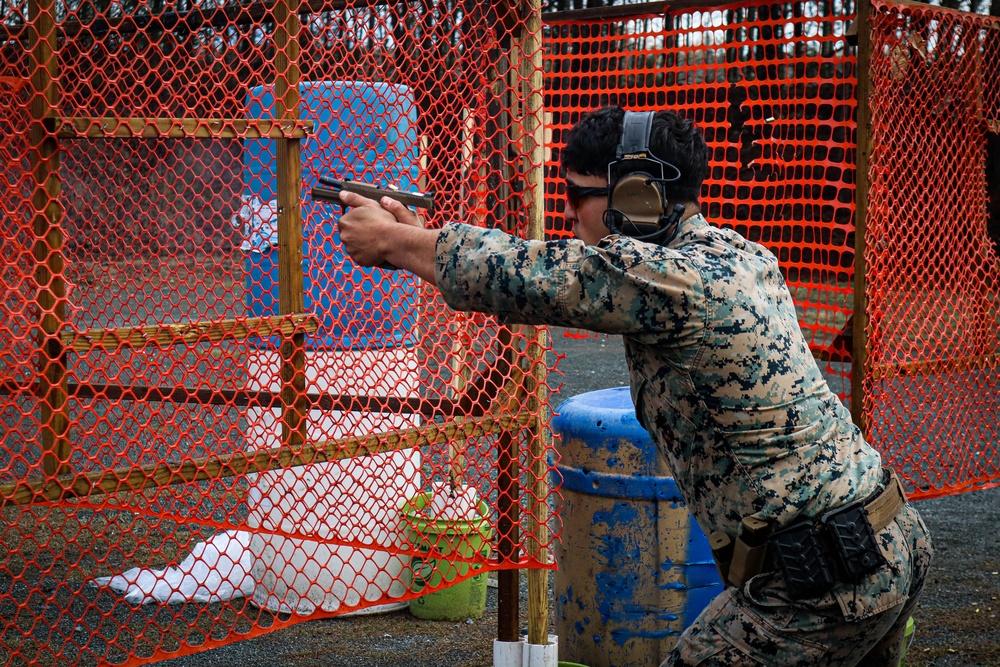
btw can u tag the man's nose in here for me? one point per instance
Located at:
(569, 212)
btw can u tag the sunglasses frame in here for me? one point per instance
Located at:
(577, 193)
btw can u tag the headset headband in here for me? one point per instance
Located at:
(635, 134)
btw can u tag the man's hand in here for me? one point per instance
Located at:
(366, 229)
(375, 233)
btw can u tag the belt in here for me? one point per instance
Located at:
(756, 549)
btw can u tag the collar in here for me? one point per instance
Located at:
(689, 229)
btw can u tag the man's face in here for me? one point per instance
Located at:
(586, 213)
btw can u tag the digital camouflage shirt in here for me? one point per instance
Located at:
(721, 375)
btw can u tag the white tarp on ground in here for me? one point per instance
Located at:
(218, 569)
(355, 500)
(223, 567)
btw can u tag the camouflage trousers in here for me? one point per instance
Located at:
(859, 625)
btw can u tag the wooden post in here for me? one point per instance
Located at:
(864, 90)
(289, 165)
(50, 264)
(538, 509)
(508, 584)
(508, 461)
(532, 82)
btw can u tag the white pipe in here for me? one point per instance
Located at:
(508, 654)
(541, 655)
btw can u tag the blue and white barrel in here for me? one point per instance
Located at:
(364, 346)
(634, 568)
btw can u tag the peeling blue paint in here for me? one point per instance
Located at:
(621, 636)
(600, 433)
(621, 513)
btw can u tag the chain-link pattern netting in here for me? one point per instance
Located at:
(193, 413)
(931, 382)
(772, 87)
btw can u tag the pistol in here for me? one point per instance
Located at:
(330, 190)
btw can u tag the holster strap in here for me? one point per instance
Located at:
(884, 508)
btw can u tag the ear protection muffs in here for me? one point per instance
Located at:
(637, 206)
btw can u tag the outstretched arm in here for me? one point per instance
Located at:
(618, 288)
(376, 232)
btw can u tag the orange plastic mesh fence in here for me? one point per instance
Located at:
(772, 87)
(931, 381)
(190, 412)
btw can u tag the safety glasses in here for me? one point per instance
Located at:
(577, 193)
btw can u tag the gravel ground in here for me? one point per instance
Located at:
(957, 622)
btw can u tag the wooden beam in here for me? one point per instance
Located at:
(291, 283)
(426, 407)
(50, 266)
(181, 128)
(531, 68)
(74, 486)
(614, 13)
(480, 391)
(863, 151)
(189, 333)
(508, 537)
(508, 507)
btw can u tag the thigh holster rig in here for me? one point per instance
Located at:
(813, 554)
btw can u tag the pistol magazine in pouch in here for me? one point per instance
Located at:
(722, 553)
(800, 554)
(853, 541)
(749, 551)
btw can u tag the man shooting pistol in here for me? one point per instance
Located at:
(825, 558)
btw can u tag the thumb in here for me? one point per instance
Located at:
(400, 211)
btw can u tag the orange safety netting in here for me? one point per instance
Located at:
(179, 424)
(933, 371)
(772, 87)
(191, 411)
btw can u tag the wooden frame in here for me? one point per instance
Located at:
(522, 120)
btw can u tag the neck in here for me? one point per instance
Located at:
(692, 208)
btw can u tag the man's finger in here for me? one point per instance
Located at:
(400, 211)
(354, 199)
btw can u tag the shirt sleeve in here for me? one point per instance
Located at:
(619, 287)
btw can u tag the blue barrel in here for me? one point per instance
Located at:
(634, 567)
(366, 132)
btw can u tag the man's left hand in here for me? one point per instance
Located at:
(368, 227)
(386, 232)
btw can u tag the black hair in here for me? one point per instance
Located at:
(592, 142)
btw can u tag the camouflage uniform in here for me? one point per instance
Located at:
(729, 391)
